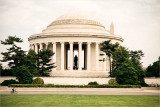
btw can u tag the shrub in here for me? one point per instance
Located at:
(38, 81)
(23, 75)
(112, 82)
(93, 83)
(7, 82)
(126, 74)
(75, 86)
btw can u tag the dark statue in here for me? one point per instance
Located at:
(75, 61)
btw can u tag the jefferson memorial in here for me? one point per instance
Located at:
(75, 39)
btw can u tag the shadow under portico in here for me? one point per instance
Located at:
(75, 57)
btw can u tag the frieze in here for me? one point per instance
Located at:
(75, 21)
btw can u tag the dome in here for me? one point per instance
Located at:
(75, 15)
(75, 24)
(76, 18)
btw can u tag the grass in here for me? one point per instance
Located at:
(79, 100)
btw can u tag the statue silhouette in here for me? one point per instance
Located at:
(75, 61)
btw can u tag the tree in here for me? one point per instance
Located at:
(31, 62)
(120, 56)
(108, 48)
(126, 74)
(123, 55)
(135, 57)
(15, 55)
(44, 58)
(6, 72)
(23, 74)
(154, 69)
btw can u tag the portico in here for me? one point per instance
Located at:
(67, 54)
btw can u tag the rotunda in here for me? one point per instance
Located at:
(75, 39)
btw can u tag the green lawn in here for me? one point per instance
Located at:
(80, 100)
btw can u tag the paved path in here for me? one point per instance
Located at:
(84, 91)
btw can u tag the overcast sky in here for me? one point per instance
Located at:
(136, 21)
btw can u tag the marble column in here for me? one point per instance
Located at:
(71, 56)
(97, 56)
(88, 55)
(33, 47)
(79, 56)
(54, 56)
(62, 56)
(46, 45)
(36, 48)
(41, 46)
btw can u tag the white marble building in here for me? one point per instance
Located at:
(76, 35)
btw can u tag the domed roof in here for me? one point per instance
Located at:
(77, 25)
(75, 15)
(76, 18)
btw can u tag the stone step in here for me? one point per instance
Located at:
(76, 73)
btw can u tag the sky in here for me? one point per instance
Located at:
(136, 21)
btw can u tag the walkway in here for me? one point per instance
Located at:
(85, 91)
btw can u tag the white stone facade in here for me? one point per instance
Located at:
(80, 81)
(70, 33)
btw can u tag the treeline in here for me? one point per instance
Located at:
(126, 65)
(25, 65)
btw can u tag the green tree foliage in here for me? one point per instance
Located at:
(120, 56)
(154, 69)
(44, 62)
(8, 82)
(135, 57)
(123, 55)
(31, 62)
(6, 72)
(108, 48)
(15, 55)
(37, 64)
(23, 74)
(126, 74)
(1, 68)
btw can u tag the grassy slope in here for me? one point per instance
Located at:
(79, 100)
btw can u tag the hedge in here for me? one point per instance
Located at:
(7, 82)
(74, 86)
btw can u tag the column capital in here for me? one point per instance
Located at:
(62, 42)
(70, 42)
(46, 43)
(41, 43)
(54, 42)
(98, 43)
(88, 42)
(80, 42)
(36, 43)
